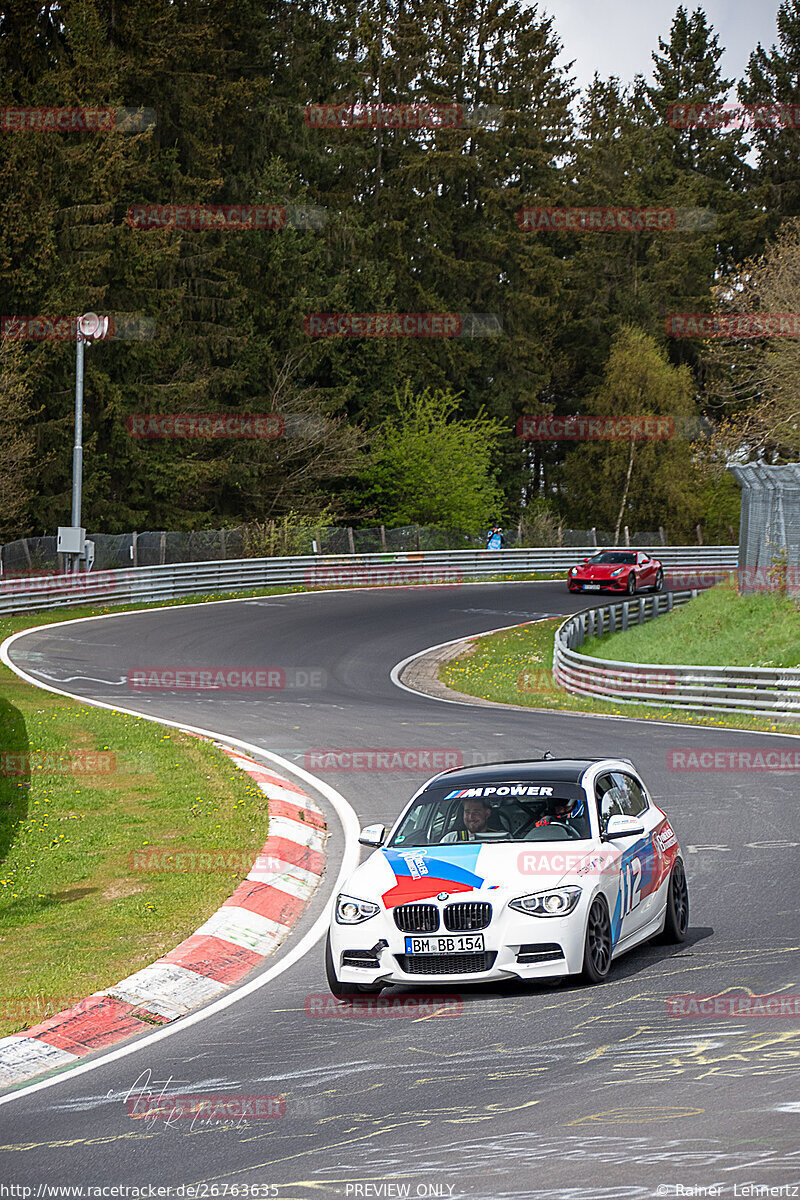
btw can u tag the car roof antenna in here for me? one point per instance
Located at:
(547, 754)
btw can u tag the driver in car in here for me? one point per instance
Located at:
(476, 814)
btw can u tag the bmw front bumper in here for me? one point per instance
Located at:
(516, 946)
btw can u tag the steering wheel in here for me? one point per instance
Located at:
(570, 832)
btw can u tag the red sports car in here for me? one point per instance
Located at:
(617, 571)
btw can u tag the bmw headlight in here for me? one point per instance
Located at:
(555, 903)
(350, 911)
(618, 571)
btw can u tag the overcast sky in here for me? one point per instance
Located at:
(617, 37)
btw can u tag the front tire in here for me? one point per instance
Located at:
(676, 922)
(597, 945)
(631, 586)
(659, 583)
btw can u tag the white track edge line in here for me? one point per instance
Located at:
(350, 826)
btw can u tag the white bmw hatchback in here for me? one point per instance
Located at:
(522, 870)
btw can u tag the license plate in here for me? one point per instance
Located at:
(456, 944)
(591, 587)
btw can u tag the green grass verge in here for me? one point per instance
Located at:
(515, 667)
(84, 793)
(718, 628)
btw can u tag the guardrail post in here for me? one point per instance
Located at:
(625, 614)
(642, 602)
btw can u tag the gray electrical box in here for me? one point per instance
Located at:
(70, 539)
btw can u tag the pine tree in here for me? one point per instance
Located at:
(18, 468)
(773, 78)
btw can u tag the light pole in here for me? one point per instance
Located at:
(72, 540)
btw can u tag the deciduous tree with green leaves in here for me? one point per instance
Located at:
(429, 465)
(636, 483)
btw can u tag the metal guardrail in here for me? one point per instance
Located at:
(763, 690)
(34, 593)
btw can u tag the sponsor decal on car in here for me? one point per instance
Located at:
(420, 876)
(664, 837)
(514, 789)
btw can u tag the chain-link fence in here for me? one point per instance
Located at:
(37, 555)
(769, 529)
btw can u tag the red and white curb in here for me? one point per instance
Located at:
(238, 937)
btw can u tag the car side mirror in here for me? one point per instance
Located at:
(620, 826)
(372, 835)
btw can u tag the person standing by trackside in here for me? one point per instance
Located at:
(495, 539)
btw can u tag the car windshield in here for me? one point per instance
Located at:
(614, 556)
(526, 811)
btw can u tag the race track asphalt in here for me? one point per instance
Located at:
(566, 1092)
